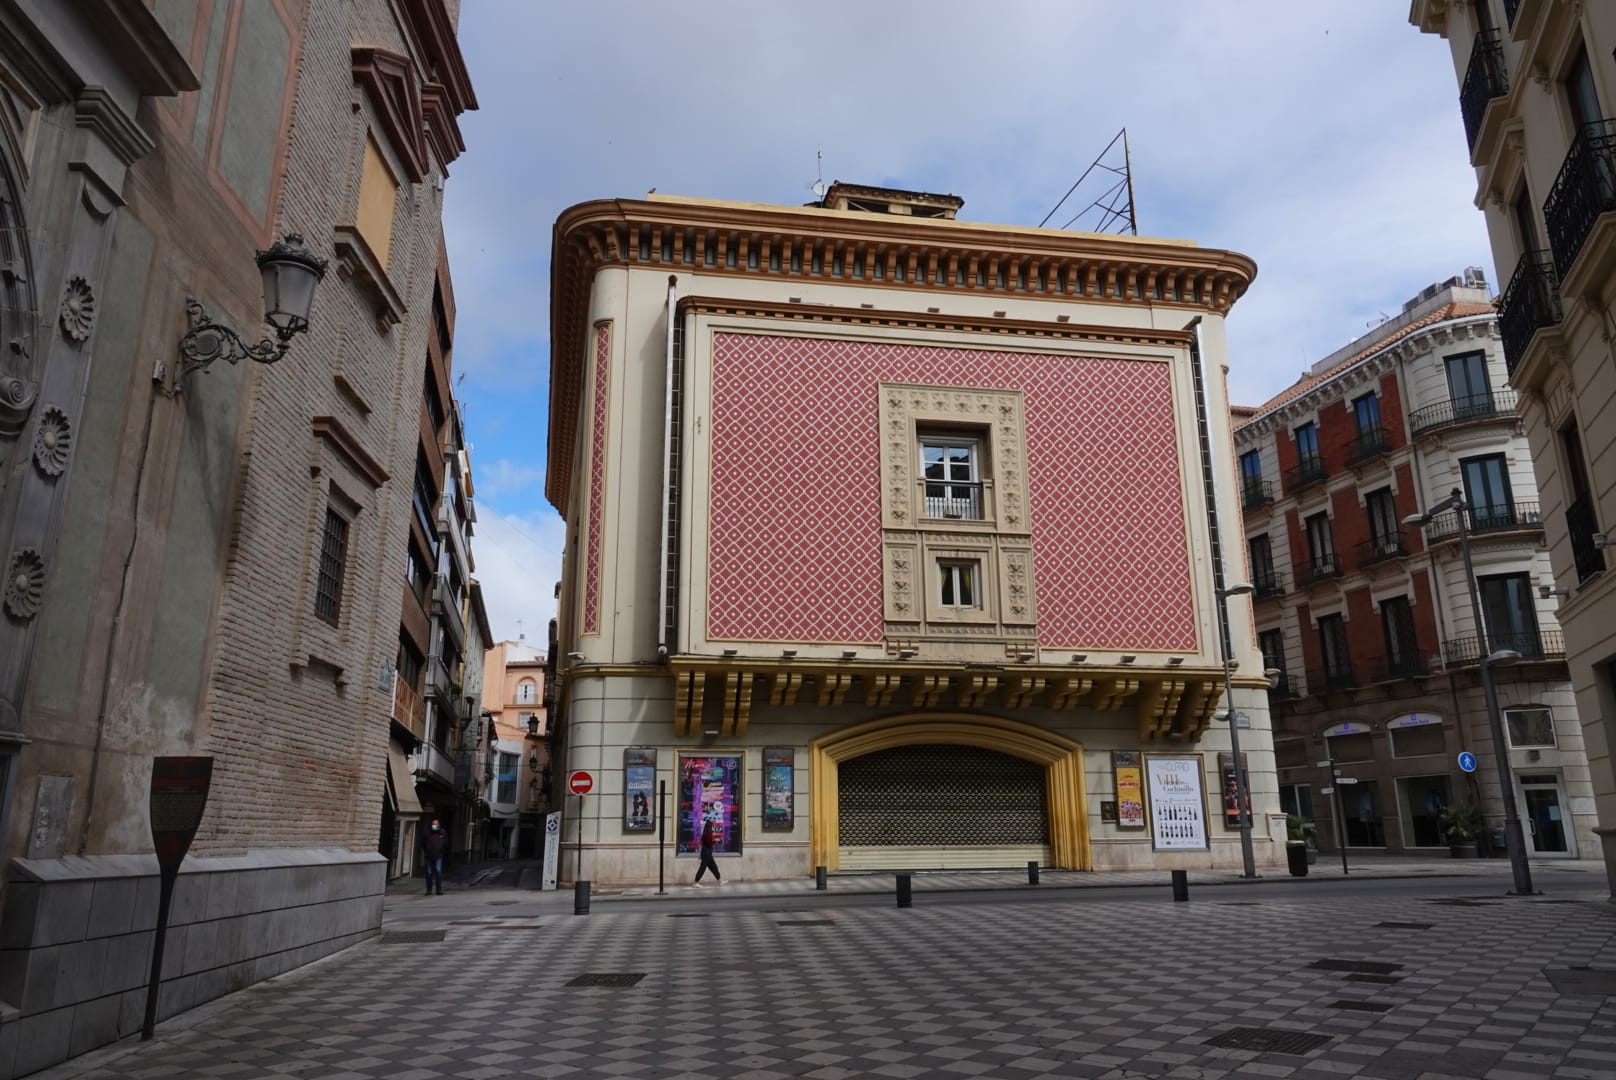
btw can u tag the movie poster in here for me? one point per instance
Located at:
(710, 790)
(1231, 800)
(1130, 788)
(778, 806)
(639, 789)
(1177, 803)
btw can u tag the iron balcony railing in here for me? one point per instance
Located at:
(1584, 189)
(1531, 302)
(1387, 668)
(1531, 644)
(1310, 470)
(1266, 583)
(1368, 443)
(1505, 517)
(1464, 410)
(1484, 80)
(1381, 549)
(1581, 524)
(1316, 569)
(1256, 492)
(956, 499)
(1335, 677)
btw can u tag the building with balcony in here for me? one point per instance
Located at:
(517, 696)
(1543, 142)
(1368, 622)
(891, 537)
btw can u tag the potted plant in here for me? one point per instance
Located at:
(1299, 834)
(1462, 825)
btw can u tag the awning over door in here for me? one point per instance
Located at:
(400, 782)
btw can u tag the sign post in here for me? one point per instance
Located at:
(552, 849)
(661, 838)
(1340, 804)
(580, 783)
(179, 795)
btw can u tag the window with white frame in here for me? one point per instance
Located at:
(526, 692)
(959, 583)
(951, 465)
(1530, 727)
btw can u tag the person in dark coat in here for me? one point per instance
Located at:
(436, 845)
(709, 837)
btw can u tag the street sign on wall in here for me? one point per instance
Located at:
(1467, 761)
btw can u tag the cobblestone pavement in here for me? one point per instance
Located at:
(1443, 979)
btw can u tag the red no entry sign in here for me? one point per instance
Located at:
(580, 783)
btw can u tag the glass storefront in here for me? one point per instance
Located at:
(1421, 800)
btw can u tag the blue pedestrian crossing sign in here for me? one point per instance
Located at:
(1467, 761)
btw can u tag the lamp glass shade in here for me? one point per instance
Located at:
(290, 272)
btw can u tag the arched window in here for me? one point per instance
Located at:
(526, 692)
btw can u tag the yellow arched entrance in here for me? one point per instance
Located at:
(1061, 758)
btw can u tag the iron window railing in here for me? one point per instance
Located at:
(1584, 189)
(1581, 524)
(1310, 470)
(1484, 80)
(954, 499)
(1381, 549)
(1368, 443)
(1507, 517)
(1324, 679)
(1316, 569)
(1531, 302)
(1255, 492)
(1266, 583)
(1464, 410)
(1531, 644)
(1387, 668)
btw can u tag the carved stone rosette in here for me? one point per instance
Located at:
(77, 314)
(25, 583)
(53, 442)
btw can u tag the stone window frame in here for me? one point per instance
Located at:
(997, 418)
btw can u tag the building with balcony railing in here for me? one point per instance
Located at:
(1547, 185)
(1378, 618)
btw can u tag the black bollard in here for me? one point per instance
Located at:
(1181, 884)
(1032, 872)
(580, 898)
(905, 891)
(819, 879)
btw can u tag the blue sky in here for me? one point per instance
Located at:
(1324, 140)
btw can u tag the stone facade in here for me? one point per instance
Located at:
(202, 563)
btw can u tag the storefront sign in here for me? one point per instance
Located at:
(639, 789)
(778, 779)
(709, 790)
(1414, 720)
(1177, 791)
(1129, 778)
(1231, 800)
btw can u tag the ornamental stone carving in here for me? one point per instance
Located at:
(53, 442)
(25, 583)
(16, 402)
(77, 315)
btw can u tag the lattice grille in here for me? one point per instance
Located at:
(949, 795)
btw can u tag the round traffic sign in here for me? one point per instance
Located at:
(1467, 761)
(580, 783)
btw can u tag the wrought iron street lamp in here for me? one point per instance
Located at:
(290, 273)
(1514, 838)
(1248, 857)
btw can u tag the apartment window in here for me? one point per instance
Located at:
(951, 465)
(410, 662)
(1486, 484)
(1320, 543)
(1384, 530)
(1397, 626)
(1333, 648)
(526, 692)
(958, 583)
(432, 399)
(378, 199)
(1261, 552)
(1506, 600)
(1468, 385)
(1484, 16)
(1581, 95)
(1251, 466)
(506, 792)
(425, 497)
(1366, 412)
(1307, 444)
(1272, 644)
(1532, 727)
(333, 560)
(417, 571)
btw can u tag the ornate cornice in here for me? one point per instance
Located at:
(442, 130)
(344, 445)
(389, 80)
(870, 251)
(440, 48)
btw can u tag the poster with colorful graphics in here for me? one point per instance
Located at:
(1177, 789)
(709, 790)
(639, 788)
(1130, 787)
(778, 762)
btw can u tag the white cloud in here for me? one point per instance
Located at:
(505, 477)
(518, 564)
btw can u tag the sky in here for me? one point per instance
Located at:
(1322, 139)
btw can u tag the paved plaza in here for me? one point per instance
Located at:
(1385, 980)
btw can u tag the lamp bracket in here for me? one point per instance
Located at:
(207, 341)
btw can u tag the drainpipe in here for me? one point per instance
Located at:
(667, 473)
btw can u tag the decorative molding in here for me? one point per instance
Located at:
(99, 112)
(53, 442)
(25, 583)
(77, 311)
(356, 263)
(389, 81)
(442, 129)
(1000, 414)
(432, 27)
(342, 442)
(16, 403)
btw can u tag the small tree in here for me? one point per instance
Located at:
(1462, 822)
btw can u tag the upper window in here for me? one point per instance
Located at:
(1251, 466)
(378, 198)
(951, 466)
(1320, 543)
(1530, 727)
(1468, 385)
(1307, 442)
(1381, 508)
(333, 560)
(959, 583)
(526, 692)
(1581, 94)
(1486, 484)
(1366, 411)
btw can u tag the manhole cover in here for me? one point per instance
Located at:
(1360, 967)
(1359, 1006)
(1582, 982)
(1378, 980)
(804, 922)
(1268, 1040)
(408, 937)
(1404, 925)
(607, 978)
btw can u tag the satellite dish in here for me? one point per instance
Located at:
(819, 189)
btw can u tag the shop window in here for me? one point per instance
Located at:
(1297, 799)
(1530, 727)
(1421, 801)
(1360, 804)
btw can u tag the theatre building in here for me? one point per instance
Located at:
(894, 542)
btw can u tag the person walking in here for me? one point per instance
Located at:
(435, 844)
(709, 837)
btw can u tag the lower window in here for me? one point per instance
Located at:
(960, 582)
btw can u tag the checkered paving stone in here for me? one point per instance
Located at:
(1121, 989)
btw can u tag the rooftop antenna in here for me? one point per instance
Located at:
(819, 182)
(1112, 210)
(520, 636)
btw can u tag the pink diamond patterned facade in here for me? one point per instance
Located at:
(597, 477)
(795, 542)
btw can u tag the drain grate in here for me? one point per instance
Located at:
(1378, 980)
(804, 922)
(1461, 901)
(607, 978)
(410, 937)
(1238, 903)
(1404, 925)
(502, 903)
(1360, 1006)
(1268, 1040)
(1359, 967)
(688, 914)
(1582, 981)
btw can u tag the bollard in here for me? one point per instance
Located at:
(580, 898)
(905, 891)
(1181, 884)
(819, 879)
(1032, 872)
